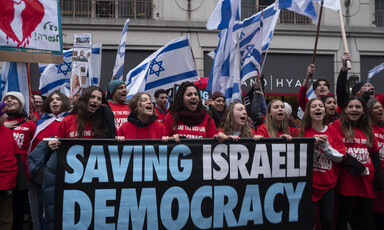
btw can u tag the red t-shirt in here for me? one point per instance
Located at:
(8, 167)
(50, 130)
(120, 112)
(378, 203)
(160, 114)
(23, 135)
(155, 130)
(68, 128)
(263, 131)
(206, 129)
(354, 184)
(325, 171)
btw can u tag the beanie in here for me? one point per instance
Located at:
(216, 95)
(357, 87)
(19, 96)
(288, 109)
(111, 87)
(3, 108)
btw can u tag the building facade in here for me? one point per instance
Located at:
(156, 22)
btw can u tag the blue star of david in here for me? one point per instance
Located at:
(121, 50)
(157, 72)
(65, 72)
(249, 49)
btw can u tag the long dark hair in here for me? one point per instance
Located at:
(65, 103)
(370, 105)
(362, 124)
(178, 104)
(84, 116)
(334, 117)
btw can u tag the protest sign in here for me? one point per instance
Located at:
(195, 184)
(30, 31)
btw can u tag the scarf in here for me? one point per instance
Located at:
(45, 121)
(192, 118)
(133, 119)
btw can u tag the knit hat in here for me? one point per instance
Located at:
(288, 109)
(217, 94)
(111, 87)
(3, 108)
(19, 96)
(357, 87)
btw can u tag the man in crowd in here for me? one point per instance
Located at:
(160, 103)
(363, 89)
(320, 87)
(38, 104)
(117, 99)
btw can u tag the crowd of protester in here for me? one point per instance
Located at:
(348, 182)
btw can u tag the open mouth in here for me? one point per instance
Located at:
(148, 107)
(243, 118)
(93, 106)
(280, 114)
(318, 113)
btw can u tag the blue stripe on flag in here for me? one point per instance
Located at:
(285, 4)
(119, 72)
(247, 40)
(67, 54)
(42, 69)
(95, 50)
(174, 46)
(170, 79)
(135, 72)
(225, 68)
(310, 9)
(13, 78)
(309, 92)
(248, 68)
(54, 84)
(226, 13)
(230, 91)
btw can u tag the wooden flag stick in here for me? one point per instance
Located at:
(317, 33)
(344, 38)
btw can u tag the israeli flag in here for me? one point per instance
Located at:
(14, 77)
(270, 17)
(304, 7)
(57, 76)
(375, 71)
(248, 37)
(119, 63)
(224, 15)
(171, 64)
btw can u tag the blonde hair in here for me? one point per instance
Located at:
(270, 124)
(227, 122)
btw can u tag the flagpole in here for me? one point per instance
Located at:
(29, 88)
(317, 33)
(344, 38)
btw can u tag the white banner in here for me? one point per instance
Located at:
(30, 25)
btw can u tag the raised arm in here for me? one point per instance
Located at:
(341, 89)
